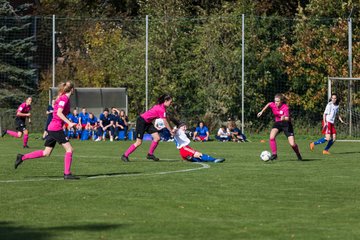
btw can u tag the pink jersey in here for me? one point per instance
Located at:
(283, 110)
(57, 123)
(157, 111)
(23, 108)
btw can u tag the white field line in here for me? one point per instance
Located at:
(203, 166)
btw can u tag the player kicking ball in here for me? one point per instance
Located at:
(187, 153)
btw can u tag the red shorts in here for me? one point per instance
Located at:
(187, 152)
(202, 138)
(83, 126)
(329, 129)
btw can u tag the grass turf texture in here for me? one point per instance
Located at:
(242, 198)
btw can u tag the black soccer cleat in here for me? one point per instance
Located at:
(18, 160)
(273, 157)
(3, 133)
(124, 158)
(70, 177)
(299, 157)
(152, 157)
(26, 146)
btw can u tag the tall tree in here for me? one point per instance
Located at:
(17, 74)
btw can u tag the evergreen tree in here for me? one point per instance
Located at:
(17, 75)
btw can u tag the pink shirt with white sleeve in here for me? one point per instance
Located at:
(57, 123)
(157, 111)
(283, 110)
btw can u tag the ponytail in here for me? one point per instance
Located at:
(65, 87)
(163, 98)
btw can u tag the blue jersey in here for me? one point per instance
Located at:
(114, 118)
(50, 115)
(74, 119)
(105, 120)
(236, 130)
(121, 121)
(202, 131)
(84, 118)
(93, 121)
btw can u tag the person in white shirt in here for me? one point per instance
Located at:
(187, 153)
(329, 116)
(223, 135)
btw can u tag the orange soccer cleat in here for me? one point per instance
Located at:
(326, 152)
(312, 146)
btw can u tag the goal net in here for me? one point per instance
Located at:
(347, 90)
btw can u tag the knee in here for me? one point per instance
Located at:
(138, 143)
(46, 153)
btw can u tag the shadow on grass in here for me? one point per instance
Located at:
(90, 175)
(11, 231)
(109, 174)
(295, 160)
(340, 153)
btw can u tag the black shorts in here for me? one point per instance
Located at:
(142, 127)
(20, 124)
(284, 126)
(55, 136)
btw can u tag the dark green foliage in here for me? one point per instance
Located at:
(17, 72)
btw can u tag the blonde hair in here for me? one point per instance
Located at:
(65, 87)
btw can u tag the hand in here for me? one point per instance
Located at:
(71, 124)
(259, 114)
(28, 115)
(282, 118)
(172, 132)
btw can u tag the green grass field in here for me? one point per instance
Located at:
(242, 198)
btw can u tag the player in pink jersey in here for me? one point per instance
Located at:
(22, 113)
(144, 124)
(282, 123)
(55, 132)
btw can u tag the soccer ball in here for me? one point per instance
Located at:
(159, 123)
(265, 156)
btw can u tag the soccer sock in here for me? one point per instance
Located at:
(25, 139)
(67, 162)
(328, 146)
(207, 158)
(32, 155)
(320, 141)
(296, 149)
(130, 150)
(153, 147)
(273, 145)
(12, 133)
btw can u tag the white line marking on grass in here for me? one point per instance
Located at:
(203, 166)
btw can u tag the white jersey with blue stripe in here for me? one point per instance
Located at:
(181, 140)
(330, 111)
